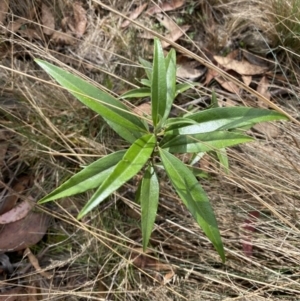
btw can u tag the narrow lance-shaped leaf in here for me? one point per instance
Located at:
(88, 178)
(105, 105)
(137, 93)
(132, 162)
(223, 159)
(226, 119)
(149, 193)
(202, 142)
(193, 197)
(147, 66)
(158, 84)
(170, 82)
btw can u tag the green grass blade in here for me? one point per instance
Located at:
(99, 101)
(193, 197)
(132, 162)
(203, 142)
(88, 178)
(158, 84)
(149, 194)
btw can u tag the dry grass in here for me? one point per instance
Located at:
(53, 134)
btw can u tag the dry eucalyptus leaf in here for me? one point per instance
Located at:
(175, 35)
(189, 69)
(134, 15)
(16, 25)
(65, 38)
(143, 109)
(166, 6)
(80, 19)
(4, 4)
(268, 129)
(228, 85)
(247, 79)
(47, 20)
(23, 233)
(241, 67)
(263, 89)
(167, 22)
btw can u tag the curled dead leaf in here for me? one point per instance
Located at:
(47, 20)
(16, 213)
(65, 38)
(23, 233)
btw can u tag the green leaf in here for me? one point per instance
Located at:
(149, 194)
(158, 84)
(88, 178)
(107, 106)
(227, 118)
(202, 142)
(146, 82)
(193, 197)
(178, 122)
(170, 82)
(132, 162)
(137, 93)
(180, 88)
(147, 66)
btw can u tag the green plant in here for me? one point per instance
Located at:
(154, 143)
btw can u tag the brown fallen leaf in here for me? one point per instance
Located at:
(228, 85)
(241, 67)
(175, 35)
(17, 213)
(16, 25)
(3, 150)
(134, 15)
(167, 22)
(64, 38)
(24, 233)
(267, 129)
(143, 109)
(4, 4)
(210, 75)
(263, 89)
(166, 6)
(247, 79)
(80, 19)
(189, 69)
(35, 263)
(47, 20)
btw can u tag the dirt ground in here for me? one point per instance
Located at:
(245, 51)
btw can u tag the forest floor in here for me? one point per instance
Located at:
(247, 52)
